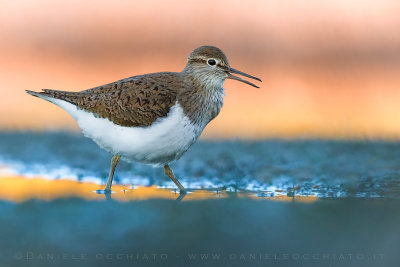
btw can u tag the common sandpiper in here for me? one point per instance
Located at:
(152, 118)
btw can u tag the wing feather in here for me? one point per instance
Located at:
(134, 102)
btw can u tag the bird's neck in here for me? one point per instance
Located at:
(202, 98)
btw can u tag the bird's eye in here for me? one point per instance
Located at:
(211, 62)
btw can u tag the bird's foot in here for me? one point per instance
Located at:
(104, 192)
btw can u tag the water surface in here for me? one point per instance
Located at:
(251, 203)
(320, 168)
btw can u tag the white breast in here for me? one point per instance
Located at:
(164, 141)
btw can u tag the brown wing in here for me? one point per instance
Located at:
(136, 101)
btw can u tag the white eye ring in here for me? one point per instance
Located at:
(211, 62)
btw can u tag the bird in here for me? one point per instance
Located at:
(153, 118)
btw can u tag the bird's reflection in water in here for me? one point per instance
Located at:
(127, 194)
(181, 196)
(19, 189)
(107, 194)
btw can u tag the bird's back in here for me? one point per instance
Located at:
(137, 101)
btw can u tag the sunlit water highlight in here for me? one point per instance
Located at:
(20, 189)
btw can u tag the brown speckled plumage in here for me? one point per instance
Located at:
(135, 101)
(140, 100)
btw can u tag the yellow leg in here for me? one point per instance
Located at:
(114, 162)
(171, 175)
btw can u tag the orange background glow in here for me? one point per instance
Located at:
(330, 69)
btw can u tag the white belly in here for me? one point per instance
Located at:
(164, 141)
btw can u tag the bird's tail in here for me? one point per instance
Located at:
(51, 95)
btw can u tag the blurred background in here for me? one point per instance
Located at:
(330, 69)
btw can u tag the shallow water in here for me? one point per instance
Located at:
(228, 232)
(325, 169)
(251, 203)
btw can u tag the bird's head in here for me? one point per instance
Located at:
(209, 64)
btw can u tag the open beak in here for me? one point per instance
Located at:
(233, 77)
